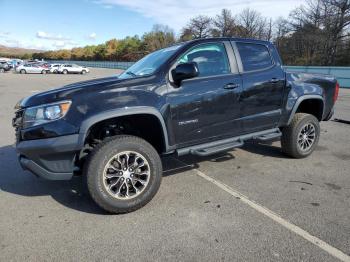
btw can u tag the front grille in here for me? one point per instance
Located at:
(17, 123)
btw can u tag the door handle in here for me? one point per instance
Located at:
(274, 80)
(231, 86)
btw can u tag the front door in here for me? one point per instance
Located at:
(206, 107)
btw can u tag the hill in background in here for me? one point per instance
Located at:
(16, 51)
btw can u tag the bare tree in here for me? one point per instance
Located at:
(269, 30)
(336, 16)
(198, 27)
(224, 24)
(252, 24)
(319, 28)
(280, 29)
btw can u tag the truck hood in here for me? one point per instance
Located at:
(70, 91)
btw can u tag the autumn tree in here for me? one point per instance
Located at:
(161, 36)
(111, 48)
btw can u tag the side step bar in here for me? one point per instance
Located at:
(216, 149)
(227, 144)
(268, 137)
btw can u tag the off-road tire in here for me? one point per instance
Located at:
(99, 157)
(290, 133)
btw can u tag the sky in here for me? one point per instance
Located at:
(52, 25)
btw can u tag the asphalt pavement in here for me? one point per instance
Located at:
(249, 204)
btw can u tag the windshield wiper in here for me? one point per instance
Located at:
(130, 73)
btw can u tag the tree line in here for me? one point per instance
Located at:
(316, 33)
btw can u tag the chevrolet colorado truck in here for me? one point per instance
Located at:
(199, 97)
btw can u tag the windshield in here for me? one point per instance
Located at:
(150, 63)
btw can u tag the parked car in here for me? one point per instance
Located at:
(44, 64)
(199, 97)
(54, 68)
(31, 69)
(72, 69)
(4, 66)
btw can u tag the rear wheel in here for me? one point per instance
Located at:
(123, 174)
(2, 70)
(65, 71)
(301, 137)
(23, 71)
(43, 72)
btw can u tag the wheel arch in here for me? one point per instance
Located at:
(111, 114)
(318, 111)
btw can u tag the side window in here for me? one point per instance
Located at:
(254, 56)
(210, 58)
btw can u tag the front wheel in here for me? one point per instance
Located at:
(23, 71)
(43, 72)
(2, 70)
(65, 72)
(300, 138)
(123, 174)
(83, 72)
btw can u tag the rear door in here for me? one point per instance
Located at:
(263, 85)
(36, 69)
(31, 69)
(27, 68)
(68, 68)
(76, 69)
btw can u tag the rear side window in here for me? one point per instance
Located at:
(254, 56)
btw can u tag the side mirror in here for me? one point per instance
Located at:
(184, 71)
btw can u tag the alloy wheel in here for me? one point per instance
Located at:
(126, 175)
(306, 137)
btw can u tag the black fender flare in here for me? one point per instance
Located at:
(89, 122)
(301, 99)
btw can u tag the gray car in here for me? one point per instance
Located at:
(4, 67)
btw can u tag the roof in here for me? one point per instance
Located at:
(227, 39)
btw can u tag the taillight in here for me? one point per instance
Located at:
(336, 92)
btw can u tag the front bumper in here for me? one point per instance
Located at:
(51, 158)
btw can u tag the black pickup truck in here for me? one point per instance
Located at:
(199, 97)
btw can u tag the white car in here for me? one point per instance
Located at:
(54, 68)
(31, 69)
(73, 68)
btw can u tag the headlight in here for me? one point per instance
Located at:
(38, 115)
